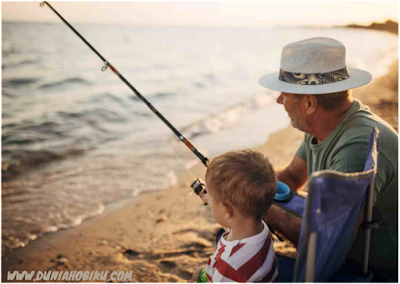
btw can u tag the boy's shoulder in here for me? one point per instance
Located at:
(253, 249)
(246, 260)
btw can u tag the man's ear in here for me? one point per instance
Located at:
(310, 103)
(228, 210)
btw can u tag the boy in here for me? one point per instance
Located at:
(240, 188)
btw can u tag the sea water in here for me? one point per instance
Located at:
(75, 139)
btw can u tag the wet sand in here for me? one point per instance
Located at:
(164, 236)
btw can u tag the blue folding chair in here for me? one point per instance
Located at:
(332, 209)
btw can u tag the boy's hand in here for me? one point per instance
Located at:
(199, 188)
(203, 196)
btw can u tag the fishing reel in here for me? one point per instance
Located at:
(199, 188)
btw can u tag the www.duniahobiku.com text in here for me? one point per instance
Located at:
(103, 276)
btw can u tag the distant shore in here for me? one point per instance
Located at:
(388, 26)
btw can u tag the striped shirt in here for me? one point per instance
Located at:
(247, 260)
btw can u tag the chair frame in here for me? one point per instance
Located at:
(308, 246)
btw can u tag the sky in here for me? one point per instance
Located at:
(206, 13)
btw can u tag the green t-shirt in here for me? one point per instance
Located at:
(345, 150)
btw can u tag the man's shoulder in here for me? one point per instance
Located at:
(355, 134)
(357, 127)
(362, 119)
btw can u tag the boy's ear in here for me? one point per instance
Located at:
(227, 210)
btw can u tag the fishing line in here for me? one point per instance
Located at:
(197, 185)
(184, 166)
(169, 146)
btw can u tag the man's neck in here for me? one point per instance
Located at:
(328, 121)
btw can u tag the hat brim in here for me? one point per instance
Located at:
(357, 78)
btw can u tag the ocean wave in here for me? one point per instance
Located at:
(215, 123)
(107, 99)
(75, 80)
(156, 96)
(226, 119)
(8, 140)
(94, 115)
(134, 98)
(10, 125)
(103, 97)
(31, 229)
(8, 94)
(17, 161)
(29, 132)
(18, 64)
(19, 82)
(162, 95)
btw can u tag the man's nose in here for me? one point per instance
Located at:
(279, 100)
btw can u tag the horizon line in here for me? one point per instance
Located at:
(210, 25)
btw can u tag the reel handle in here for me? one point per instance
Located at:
(199, 188)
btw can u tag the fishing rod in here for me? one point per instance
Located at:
(198, 185)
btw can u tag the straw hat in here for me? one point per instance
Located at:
(315, 66)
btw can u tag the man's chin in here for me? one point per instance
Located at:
(296, 126)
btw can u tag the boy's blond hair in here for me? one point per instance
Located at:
(246, 179)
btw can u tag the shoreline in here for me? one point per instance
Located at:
(164, 236)
(150, 235)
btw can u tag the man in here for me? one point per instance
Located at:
(315, 89)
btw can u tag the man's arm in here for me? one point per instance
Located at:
(294, 175)
(285, 223)
(289, 225)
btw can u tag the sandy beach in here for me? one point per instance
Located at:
(164, 236)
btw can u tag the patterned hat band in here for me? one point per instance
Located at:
(315, 78)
